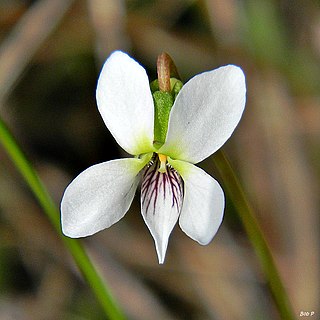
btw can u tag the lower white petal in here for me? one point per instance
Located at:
(203, 203)
(100, 196)
(161, 200)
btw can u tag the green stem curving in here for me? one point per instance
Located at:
(75, 247)
(251, 225)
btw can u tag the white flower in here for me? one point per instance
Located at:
(203, 117)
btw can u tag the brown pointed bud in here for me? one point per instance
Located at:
(166, 69)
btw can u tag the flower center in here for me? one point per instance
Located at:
(161, 186)
(163, 162)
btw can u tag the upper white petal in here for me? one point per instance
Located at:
(99, 196)
(205, 113)
(203, 204)
(125, 103)
(161, 200)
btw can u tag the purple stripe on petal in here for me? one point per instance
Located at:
(158, 188)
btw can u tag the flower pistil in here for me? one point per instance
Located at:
(163, 162)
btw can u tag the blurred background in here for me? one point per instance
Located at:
(50, 56)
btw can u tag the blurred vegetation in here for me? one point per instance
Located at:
(50, 56)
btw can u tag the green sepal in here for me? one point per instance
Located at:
(163, 102)
(176, 86)
(154, 86)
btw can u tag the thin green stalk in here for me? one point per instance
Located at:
(98, 286)
(255, 234)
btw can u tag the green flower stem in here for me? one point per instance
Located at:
(74, 246)
(255, 234)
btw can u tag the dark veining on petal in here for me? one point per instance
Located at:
(154, 183)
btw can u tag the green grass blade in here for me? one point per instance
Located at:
(74, 246)
(235, 192)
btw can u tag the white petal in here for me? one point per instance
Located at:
(161, 200)
(100, 196)
(205, 113)
(203, 204)
(125, 103)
